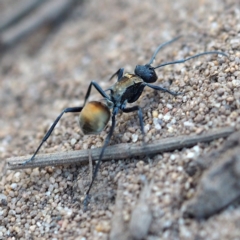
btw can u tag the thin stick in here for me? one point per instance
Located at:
(18, 11)
(90, 164)
(46, 14)
(119, 151)
(119, 229)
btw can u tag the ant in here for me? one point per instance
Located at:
(95, 115)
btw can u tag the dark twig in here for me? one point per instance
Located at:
(90, 164)
(141, 215)
(120, 151)
(119, 229)
(46, 14)
(17, 12)
(219, 185)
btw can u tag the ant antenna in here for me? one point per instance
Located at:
(194, 56)
(160, 47)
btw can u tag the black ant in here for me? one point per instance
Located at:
(95, 115)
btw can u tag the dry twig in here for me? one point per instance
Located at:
(46, 14)
(219, 185)
(90, 164)
(118, 225)
(17, 12)
(141, 215)
(120, 151)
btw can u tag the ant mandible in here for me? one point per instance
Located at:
(95, 115)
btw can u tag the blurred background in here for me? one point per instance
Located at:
(49, 53)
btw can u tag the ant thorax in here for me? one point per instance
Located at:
(126, 89)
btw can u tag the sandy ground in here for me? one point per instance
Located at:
(96, 40)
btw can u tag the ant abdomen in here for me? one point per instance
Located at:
(94, 117)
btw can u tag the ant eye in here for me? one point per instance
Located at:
(94, 117)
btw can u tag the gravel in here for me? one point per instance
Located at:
(98, 38)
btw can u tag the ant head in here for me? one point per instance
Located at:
(94, 117)
(146, 72)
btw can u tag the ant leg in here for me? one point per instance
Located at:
(118, 73)
(140, 116)
(163, 89)
(106, 142)
(72, 110)
(98, 88)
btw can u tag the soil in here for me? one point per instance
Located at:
(38, 79)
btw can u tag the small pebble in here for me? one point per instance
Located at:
(134, 138)
(3, 199)
(73, 141)
(167, 117)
